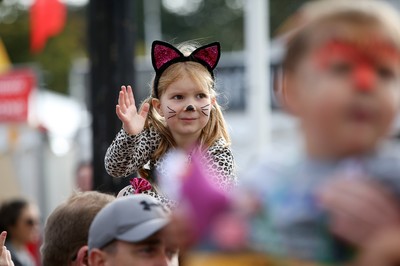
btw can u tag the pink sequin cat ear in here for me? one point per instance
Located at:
(164, 55)
(208, 55)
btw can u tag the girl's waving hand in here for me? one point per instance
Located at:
(133, 121)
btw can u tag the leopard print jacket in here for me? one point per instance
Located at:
(127, 154)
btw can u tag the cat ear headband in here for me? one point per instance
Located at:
(164, 55)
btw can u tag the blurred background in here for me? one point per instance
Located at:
(62, 64)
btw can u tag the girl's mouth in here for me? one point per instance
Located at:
(361, 115)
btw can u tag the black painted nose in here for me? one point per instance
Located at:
(189, 108)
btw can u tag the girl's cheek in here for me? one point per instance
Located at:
(174, 106)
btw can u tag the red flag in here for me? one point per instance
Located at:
(47, 19)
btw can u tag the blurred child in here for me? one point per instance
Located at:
(342, 81)
(181, 113)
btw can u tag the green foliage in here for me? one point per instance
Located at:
(15, 37)
(213, 21)
(55, 59)
(280, 10)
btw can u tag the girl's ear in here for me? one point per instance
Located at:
(213, 100)
(288, 94)
(157, 105)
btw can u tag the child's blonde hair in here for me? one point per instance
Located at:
(357, 17)
(215, 127)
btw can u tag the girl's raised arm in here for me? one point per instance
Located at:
(133, 121)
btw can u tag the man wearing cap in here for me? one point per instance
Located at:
(65, 239)
(130, 231)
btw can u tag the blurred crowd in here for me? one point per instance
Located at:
(334, 200)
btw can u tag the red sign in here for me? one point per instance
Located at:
(15, 88)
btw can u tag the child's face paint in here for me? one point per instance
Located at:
(186, 108)
(171, 112)
(205, 110)
(190, 108)
(347, 95)
(365, 65)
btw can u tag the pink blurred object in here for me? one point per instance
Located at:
(230, 232)
(205, 202)
(140, 185)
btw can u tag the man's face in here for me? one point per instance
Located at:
(153, 251)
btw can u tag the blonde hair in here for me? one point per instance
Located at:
(215, 127)
(315, 16)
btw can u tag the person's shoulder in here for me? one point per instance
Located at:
(387, 155)
(219, 143)
(152, 131)
(384, 165)
(220, 146)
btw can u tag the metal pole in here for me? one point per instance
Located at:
(111, 52)
(258, 71)
(152, 22)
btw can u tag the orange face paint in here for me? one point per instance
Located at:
(364, 77)
(362, 60)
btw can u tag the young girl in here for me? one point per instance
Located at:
(330, 197)
(181, 112)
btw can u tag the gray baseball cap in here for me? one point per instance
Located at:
(132, 219)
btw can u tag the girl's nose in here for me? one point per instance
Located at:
(190, 108)
(364, 78)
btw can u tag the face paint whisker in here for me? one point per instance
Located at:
(172, 111)
(205, 106)
(171, 116)
(204, 113)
